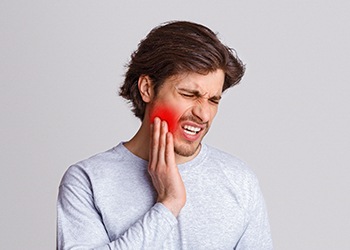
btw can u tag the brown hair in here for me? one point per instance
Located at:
(174, 48)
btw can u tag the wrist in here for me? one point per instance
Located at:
(173, 206)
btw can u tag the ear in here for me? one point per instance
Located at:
(145, 88)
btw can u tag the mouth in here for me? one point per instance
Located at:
(191, 130)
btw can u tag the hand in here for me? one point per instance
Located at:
(163, 170)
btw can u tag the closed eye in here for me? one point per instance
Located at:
(214, 101)
(188, 95)
(193, 94)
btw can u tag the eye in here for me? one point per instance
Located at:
(187, 95)
(214, 101)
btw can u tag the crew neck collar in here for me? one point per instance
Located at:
(194, 162)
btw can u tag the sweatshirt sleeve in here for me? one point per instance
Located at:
(257, 234)
(80, 225)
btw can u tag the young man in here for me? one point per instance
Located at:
(164, 189)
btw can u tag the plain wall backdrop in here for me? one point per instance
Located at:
(61, 63)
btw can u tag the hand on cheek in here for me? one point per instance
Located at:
(165, 113)
(163, 170)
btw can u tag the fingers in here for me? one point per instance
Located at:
(154, 142)
(164, 173)
(162, 142)
(158, 143)
(169, 150)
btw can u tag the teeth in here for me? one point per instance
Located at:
(191, 130)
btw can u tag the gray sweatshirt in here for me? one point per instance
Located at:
(108, 202)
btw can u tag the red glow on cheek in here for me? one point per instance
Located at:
(165, 114)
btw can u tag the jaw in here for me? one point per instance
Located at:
(186, 151)
(187, 145)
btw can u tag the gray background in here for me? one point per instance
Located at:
(61, 63)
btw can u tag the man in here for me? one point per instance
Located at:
(164, 188)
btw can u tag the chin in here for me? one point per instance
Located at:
(187, 150)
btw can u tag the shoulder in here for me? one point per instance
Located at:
(235, 171)
(234, 167)
(96, 166)
(79, 172)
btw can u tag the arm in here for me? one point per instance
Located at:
(257, 234)
(163, 170)
(80, 225)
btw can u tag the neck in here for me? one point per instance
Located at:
(139, 143)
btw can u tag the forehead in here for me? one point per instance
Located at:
(211, 83)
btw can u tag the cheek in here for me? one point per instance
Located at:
(167, 114)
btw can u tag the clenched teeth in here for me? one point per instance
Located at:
(191, 130)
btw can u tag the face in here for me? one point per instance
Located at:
(189, 104)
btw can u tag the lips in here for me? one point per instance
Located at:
(192, 131)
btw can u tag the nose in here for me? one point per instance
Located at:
(201, 110)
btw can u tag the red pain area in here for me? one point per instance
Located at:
(165, 114)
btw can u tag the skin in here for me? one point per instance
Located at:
(166, 113)
(189, 101)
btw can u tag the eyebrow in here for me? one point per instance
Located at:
(198, 94)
